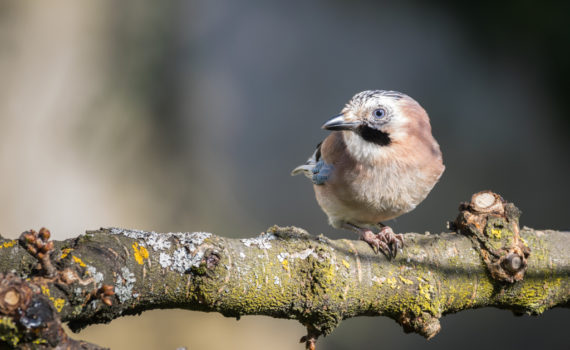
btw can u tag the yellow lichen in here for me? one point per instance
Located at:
(392, 282)
(9, 331)
(496, 233)
(65, 252)
(405, 280)
(346, 264)
(534, 294)
(8, 244)
(285, 264)
(58, 303)
(45, 290)
(424, 291)
(327, 273)
(140, 253)
(79, 261)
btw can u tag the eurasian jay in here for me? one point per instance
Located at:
(379, 162)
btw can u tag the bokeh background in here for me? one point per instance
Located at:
(189, 116)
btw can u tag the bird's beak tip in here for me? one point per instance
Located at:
(339, 122)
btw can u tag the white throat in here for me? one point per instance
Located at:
(361, 150)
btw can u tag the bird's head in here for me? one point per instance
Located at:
(378, 116)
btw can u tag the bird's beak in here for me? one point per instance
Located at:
(340, 122)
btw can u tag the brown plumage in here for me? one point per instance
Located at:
(379, 162)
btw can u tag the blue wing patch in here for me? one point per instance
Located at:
(321, 172)
(315, 168)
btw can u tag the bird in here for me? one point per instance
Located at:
(379, 162)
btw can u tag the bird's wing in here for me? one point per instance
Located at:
(315, 168)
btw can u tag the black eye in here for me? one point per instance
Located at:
(379, 113)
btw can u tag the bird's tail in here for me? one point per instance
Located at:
(307, 168)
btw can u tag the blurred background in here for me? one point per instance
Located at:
(189, 116)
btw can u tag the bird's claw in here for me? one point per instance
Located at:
(385, 240)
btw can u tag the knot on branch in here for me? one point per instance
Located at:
(311, 338)
(289, 232)
(104, 293)
(425, 325)
(28, 318)
(15, 294)
(28, 312)
(493, 225)
(39, 245)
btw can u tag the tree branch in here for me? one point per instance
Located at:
(283, 273)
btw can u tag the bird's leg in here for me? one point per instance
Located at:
(385, 240)
(393, 240)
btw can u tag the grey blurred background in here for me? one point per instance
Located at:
(187, 116)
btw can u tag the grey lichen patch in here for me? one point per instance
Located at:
(304, 254)
(156, 241)
(124, 284)
(181, 259)
(97, 276)
(285, 257)
(162, 241)
(379, 280)
(164, 260)
(262, 241)
(191, 239)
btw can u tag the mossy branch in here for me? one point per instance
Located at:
(283, 273)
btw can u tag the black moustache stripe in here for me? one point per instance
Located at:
(374, 135)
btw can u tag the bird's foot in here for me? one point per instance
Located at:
(385, 240)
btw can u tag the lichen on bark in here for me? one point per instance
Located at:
(287, 273)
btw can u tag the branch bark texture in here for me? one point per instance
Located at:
(283, 273)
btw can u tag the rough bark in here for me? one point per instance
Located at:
(283, 273)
